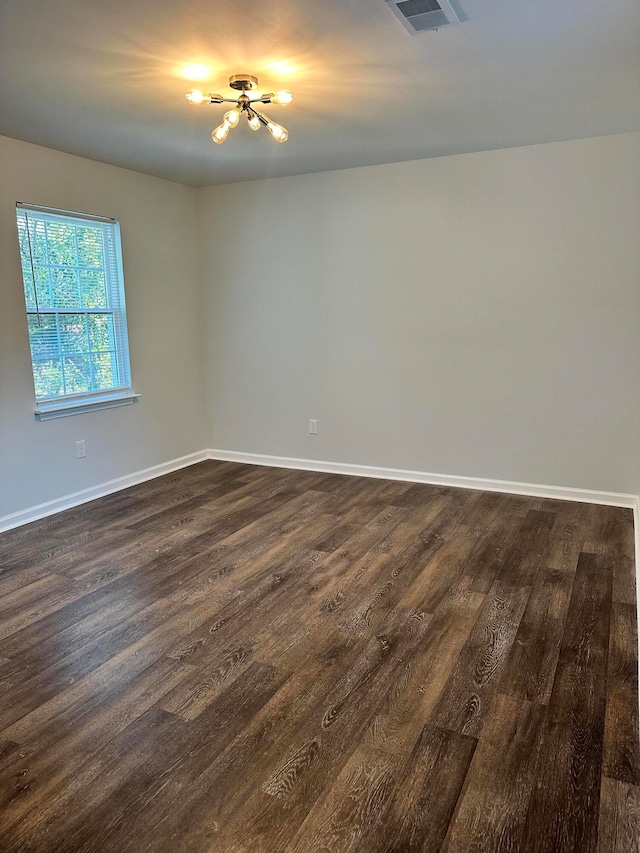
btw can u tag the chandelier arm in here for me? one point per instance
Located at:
(264, 119)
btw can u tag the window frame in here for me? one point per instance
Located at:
(77, 402)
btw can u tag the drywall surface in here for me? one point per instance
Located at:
(475, 315)
(38, 459)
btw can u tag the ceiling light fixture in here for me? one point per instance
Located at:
(244, 105)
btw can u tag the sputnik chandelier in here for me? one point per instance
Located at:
(244, 104)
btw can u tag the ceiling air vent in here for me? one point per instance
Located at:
(420, 15)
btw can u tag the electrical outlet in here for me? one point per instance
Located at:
(81, 449)
(313, 426)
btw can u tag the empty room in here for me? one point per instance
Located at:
(319, 426)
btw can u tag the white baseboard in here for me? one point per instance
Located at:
(33, 513)
(565, 493)
(562, 493)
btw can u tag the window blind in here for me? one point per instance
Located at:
(74, 296)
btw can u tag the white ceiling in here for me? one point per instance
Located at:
(106, 80)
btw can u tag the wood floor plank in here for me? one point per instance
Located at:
(531, 666)
(242, 659)
(422, 680)
(530, 549)
(381, 561)
(151, 629)
(611, 534)
(497, 534)
(132, 784)
(619, 824)
(262, 754)
(75, 725)
(426, 797)
(351, 815)
(621, 757)
(493, 805)
(568, 536)
(268, 819)
(162, 573)
(475, 679)
(563, 812)
(27, 604)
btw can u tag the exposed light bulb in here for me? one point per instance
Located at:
(221, 132)
(253, 122)
(195, 96)
(283, 97)
(232, 117)
(279, 133)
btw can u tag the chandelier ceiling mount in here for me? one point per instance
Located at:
(243, 82)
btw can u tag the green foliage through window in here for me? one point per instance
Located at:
(74, 295)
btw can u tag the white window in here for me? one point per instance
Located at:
(74, 293)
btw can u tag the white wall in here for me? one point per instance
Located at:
(475, 315)
(37, 459)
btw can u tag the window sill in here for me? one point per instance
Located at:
(65, 408)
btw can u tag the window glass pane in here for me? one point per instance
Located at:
(38, 236)
(61, 244)
(48, 380)
(105, 374)
(77, 373)
(24, 241)
(43, 288)
(29, 291)
(90, 252)
(73, 337)
(93, 288)
(64, 288)
(43, 337)
(100, 331)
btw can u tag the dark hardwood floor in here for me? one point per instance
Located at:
(234, 658)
